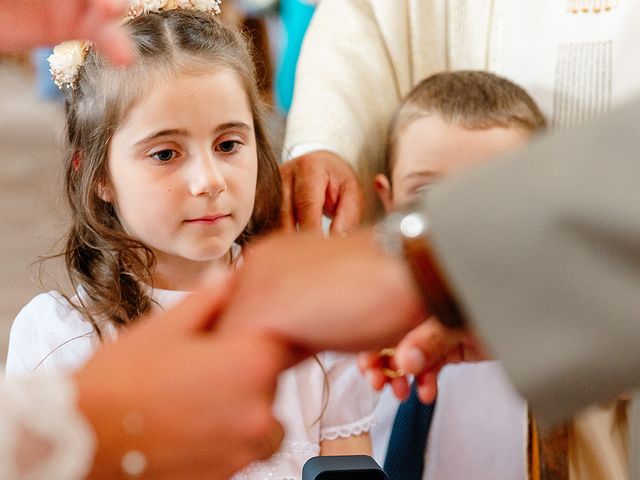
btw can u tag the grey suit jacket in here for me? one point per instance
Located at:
(543, 248)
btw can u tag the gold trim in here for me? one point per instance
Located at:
(591, 6)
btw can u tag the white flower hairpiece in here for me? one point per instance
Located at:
(65, 62)
(67, 57)
(138, 7)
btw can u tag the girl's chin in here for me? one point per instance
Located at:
(213, 256)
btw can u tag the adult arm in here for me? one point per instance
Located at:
(196, 403)
(164, 389)
(31, 23)
(339, 293)
(347, 86)
(541, 250)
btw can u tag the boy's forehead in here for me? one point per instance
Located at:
(430, 145)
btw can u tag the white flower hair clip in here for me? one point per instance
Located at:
(68, 57)
(65, 62)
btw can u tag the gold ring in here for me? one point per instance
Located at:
(387, 352)
(389, 373)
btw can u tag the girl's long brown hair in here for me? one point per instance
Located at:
(108, 268)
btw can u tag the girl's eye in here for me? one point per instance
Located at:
(164, 155)
(229, 146)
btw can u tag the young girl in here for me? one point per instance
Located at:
(169, 173)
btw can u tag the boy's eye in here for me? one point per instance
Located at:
(164, 155)
(229, 146)
(423, 188)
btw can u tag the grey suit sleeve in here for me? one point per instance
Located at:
(543, 249)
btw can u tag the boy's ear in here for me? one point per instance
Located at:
(382, 187)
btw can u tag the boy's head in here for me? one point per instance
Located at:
(448, 123)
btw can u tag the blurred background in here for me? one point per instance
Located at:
(33, 215)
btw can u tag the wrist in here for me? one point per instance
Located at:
(406, 234)
(89, 405)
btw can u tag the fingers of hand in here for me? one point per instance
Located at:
(102, 25)
(349, 207)
(426, 346)
(428, 385)
(365, 360)
(380, 368)
(376, 378)
(114, 43)
(309, 190)
(321, 182)
(400, 387)
(111, 9)
(287, 218)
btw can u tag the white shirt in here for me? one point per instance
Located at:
(479, 425)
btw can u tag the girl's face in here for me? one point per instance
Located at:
(183, 168)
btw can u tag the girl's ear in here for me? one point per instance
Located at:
(382, 187)
(104, 192)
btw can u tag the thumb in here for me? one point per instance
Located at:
(426, 346)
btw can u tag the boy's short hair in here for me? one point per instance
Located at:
(473, 99)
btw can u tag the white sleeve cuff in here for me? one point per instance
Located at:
(299, 149)
(363, 425)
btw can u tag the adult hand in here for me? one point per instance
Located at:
(338, 293)
(423, 352)
(31, 23)
(197, 403)
(320, 183)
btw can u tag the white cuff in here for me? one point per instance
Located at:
(349, 430)
(299, 149)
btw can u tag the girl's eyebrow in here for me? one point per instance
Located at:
(180, 132)
(226, 126)
(164, 133)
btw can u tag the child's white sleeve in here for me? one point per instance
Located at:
(351, 400)
(47, 336)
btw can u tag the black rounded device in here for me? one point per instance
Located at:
(342, 467)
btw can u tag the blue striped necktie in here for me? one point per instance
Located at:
(408, 441)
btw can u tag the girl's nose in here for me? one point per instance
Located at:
(206, 176)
